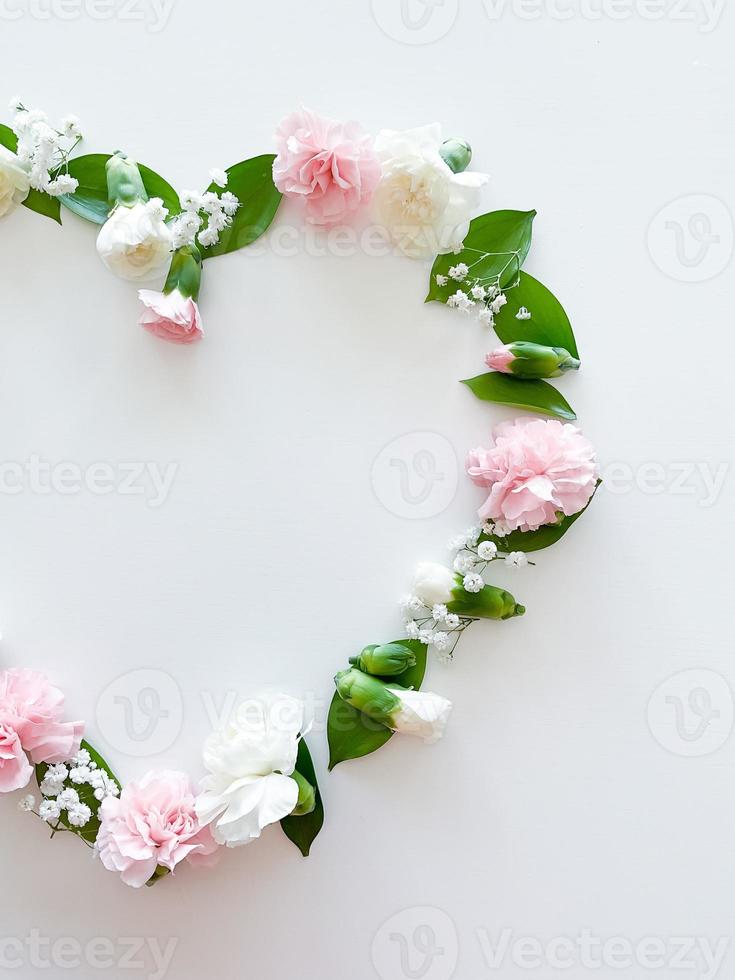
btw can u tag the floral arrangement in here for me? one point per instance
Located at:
(538, 475)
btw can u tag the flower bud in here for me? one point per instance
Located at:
(307, 795)
(456, 154)
(528, 360)
(124, 183)
(489, 603)
(185, 272)
(433, 583)
(420, 713)
(367, 694)
(386, 660)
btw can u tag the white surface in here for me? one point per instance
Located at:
(550, 808)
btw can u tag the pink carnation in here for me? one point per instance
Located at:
(152, 823)
(328, 164)
(536, 470)
(500, 359)
(30, 722)
(170, 316)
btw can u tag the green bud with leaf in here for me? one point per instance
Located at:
(385, 660)
(307, 796)
(124, 182)
(524, 359)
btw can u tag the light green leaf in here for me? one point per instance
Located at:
(303, 830)
(544, 537)
(86, 795)
(549, 323)
(252, 183)
(90, 198)
(504, 235)
(531, 396)
(36, 200)
(352, 734)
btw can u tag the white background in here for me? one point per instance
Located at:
(557, 802)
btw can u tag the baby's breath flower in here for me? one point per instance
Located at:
(473, 582)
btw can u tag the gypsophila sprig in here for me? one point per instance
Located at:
(204, 216)
(43, 150)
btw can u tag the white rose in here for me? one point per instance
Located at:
(135, 243)
(433, 583)
(421, 713)
(250, 762)
(14, 182)
(424, 206)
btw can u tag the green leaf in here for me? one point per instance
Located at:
(252, 183)
(531, 396)
(90, 198)
(86, 795)
(43, 204)
(549, 323)
(504, 235)
(8, 139)
(544, 537)
(303, 830)
(36, 200)
(352, 734)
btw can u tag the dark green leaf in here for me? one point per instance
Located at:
(303, 830)
(86, 795)
(36, 201)
(252, 183)
(351, 733)
(537, 540)
(43, 204)
(8, 139)
(90, 198)
(504, 235)
(549, 324)
(532, 396)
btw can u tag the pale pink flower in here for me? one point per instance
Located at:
(170, 316)
(30, 720)
(330, 165)
(537, 470)
(15, 769)
(152, 823)
(500, 359)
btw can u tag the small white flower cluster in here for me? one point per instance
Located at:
(217, 209)
(482, 295)
(44, 151)
(80, 771)
(473, 556)
(436, 627)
